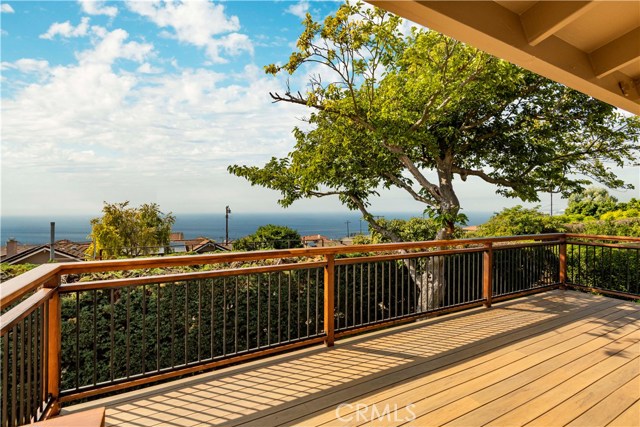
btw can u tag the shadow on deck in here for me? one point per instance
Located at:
(556, 358)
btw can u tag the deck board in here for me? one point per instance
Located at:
(555, 358)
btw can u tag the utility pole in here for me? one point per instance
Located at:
(347, 222)
(360, 221)
(551, 203)
(226, 217)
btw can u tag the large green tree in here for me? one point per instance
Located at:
(127, 231)
(417, 112)
(269, 236)
(592, 202)
(518, 221)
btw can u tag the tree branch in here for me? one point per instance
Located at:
(481, 174)
(399, 183)
(372, 221)
(408, 163)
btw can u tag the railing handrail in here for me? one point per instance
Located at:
(179, 277)
(23, 309)
(602, 237)
(15, 288)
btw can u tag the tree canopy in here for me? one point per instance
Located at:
(127, 231)
(269, 236)
(517, 221)
(417, 112)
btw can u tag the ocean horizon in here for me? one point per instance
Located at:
(36, 229)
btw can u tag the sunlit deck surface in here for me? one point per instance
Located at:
(555, 358)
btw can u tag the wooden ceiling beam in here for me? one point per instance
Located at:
(543, 19)
(616, 54)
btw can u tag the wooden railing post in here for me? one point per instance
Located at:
(53, 347)
(487, 274)
(329, 286)
(563, 263)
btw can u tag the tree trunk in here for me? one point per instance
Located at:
(431, 281)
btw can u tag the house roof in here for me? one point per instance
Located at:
(314, 237)
(22, 256)
(20, 248)
(198, 245)
(74, 251)
(591, 46)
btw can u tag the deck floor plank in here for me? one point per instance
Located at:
(549, 359)
(471, 370)
(434, 366)
(606, 410)
(630, 417)
(440, 406)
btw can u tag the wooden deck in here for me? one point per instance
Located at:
(557, 358)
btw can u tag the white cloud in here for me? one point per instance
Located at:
(27, 65)
(96, 7)
(65, 29)
(299, 9)
(197, 22)
(147, 68)
(91, 131)
(112, 46)
(6, 8)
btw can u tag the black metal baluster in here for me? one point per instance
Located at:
(388, 306)
(626, 273)
(5, 378)
(199, 320)
(213, 319)
(128, 329)
(289, 307)
(247, 307)
(298, 303)
(308, 286)
(37, 362)
(235, 328)
(611, 275)
(158, 327)
(375, 292)
(45, 353)
(224, 316)
(14, 375)
(95, 336)
(369, 292)
(173, 323)
(143, 356)
(361, 292)
(317, 297)
(77, 340)
(395, 287)
(280, 307)
(112, 335)
(186, 323)
(29, 383)
(269, 309)
(353, 305)
(259, 313)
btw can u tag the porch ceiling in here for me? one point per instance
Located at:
(591, 46)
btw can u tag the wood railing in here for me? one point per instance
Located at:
(63, 341)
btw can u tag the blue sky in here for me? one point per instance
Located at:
(150, 101)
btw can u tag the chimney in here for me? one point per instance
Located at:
(52, 253)
(12, 247)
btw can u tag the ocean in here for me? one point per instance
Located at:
(35, 229)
